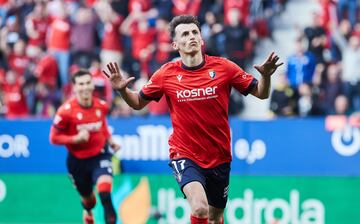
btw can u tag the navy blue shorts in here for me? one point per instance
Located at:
(85, 172)
(214, 180)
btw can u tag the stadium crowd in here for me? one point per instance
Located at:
(322, 75)
(43, 42)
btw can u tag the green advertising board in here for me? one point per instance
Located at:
(157, 199)
(38, 199)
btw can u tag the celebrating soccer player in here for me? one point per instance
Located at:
(80, 124)
(197, 90)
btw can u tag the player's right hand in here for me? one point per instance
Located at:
(118, 82)
(82, 136)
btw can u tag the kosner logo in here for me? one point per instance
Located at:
(2, 190)
(150, 143)
(196, 92)
(346, 142)
(14, 146)
(248, 210)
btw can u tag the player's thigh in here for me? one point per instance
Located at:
(79, 175)
(217, 185)
(195, 194)
(102, 168)
(191, 180)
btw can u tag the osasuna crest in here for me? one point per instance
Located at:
(212, 74)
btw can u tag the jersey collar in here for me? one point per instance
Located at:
(183, 66)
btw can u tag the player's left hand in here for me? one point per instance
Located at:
(115, 147)
(269, 66)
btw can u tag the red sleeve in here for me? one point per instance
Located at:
(240, 80)
(58, 138)
(58, 135)
(153, 90)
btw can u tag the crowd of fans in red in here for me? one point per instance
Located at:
(323, 75)
(43, 42)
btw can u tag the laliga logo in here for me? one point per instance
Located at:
(346, 141)
(244, 151)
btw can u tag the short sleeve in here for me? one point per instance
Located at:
(240, 80)
(61, 120)
(153, 89)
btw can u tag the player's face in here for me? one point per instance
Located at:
(187, 39)
(84, 87)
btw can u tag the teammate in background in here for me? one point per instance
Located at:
(197, 90)
(80, 124)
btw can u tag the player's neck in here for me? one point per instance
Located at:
(85, 102)
(192, 60)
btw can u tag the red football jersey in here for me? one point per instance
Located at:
(112, 38)
(41, 26)
(198, 100)
(59, 35)
(72, 117)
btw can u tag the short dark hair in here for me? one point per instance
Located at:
(79, 73)
(182, 19)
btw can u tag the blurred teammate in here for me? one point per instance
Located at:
(80, 124)
(197, 90)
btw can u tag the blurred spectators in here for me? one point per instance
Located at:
(350, 52)
(84, 26)
(341, 105)
(58, 43)
(111, 42)
(213, 36)
(331, 88)
(137, 26)
(191, 7)
(42, 42)
(301, 66)
(316, 38)
(36, 24)
(14, 99)
(103, 89)
(347, 9)
(162, 47)
(305, 103)
(283, 98)
(238, 44)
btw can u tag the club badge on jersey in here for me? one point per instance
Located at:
(212, 74)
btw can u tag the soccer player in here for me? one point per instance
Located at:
(80, 124)
(197, 90)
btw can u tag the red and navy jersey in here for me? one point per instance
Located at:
(72, 117)
(198, 100)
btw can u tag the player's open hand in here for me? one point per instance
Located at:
(118, 82)
(269, 66)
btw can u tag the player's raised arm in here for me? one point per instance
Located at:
(119, 83)
(262, 90)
